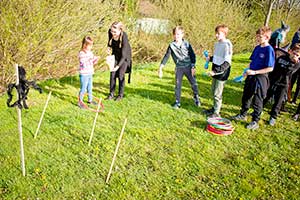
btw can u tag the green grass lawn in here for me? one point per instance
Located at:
(164, 153)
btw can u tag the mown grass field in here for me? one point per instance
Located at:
(164, 153)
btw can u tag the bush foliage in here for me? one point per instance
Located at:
(45, 36)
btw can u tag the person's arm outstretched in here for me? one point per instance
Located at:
(164, 61)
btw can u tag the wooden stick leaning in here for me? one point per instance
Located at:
(116, 151)
(42, 116)
(20, 125)
(93, 129)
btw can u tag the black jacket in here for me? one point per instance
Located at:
(283, 70)
(222, 72)
(122, 52)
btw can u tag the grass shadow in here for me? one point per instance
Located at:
(58, 88)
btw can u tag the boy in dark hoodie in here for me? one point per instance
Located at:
(285, 66)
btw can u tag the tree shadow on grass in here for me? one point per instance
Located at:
(198, 124)
(58, 88)
(164, 92)
(157, 91)
(163, 97)
(186, 87)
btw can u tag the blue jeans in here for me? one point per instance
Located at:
(86, 84)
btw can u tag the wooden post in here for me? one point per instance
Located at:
(20, 125)
(42, 116)
(92, 133)
(116, 151)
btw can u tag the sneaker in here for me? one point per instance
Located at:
(253, 125)
(272, 121)
(81, 105)
(239, 117)
(110, 97)
(92, 102)
(119, 98)
(209, 111)
(197, 101)
(261, 114)
(214, 115)
(296, 117)
(176, 105)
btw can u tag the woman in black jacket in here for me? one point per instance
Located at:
(119, 47)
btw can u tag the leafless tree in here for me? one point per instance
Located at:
(266, 6)
(291, 5)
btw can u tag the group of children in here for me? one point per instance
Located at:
(268, 78)
(268, 75)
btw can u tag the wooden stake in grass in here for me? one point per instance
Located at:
(116, 151)
(20, 125)
(42, 116)
(92, 133)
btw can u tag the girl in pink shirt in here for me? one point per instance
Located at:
(86, 70)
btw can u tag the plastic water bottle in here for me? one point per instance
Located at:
(205, 53)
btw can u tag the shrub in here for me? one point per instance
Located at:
(45, 36)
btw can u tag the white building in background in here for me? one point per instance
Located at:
(153, 25)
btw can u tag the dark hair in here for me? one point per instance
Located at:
(296, 47)
(177, 28)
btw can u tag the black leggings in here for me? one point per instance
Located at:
(120, 74)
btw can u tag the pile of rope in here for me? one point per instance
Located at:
(219, 126)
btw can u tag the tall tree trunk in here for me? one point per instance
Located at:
(268, 16)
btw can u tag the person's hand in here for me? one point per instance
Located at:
(160, 72)
(96, 58)
(193, 71)
(211, 73)
(250, 72)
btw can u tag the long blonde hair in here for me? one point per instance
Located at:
(119, 26)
